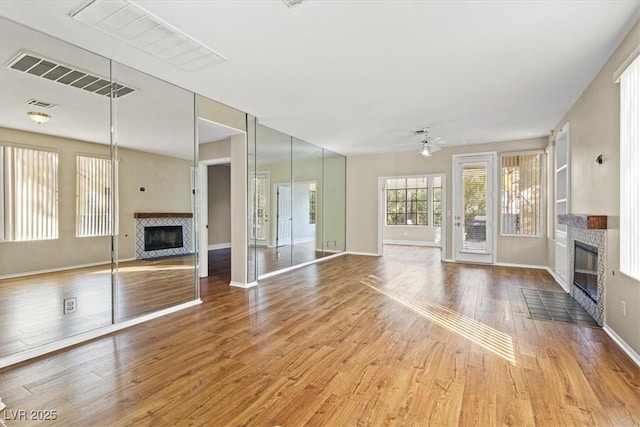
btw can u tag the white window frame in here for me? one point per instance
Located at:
(630, 170)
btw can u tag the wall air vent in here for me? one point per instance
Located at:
(41, 104)
(136, 26)
(38, 66)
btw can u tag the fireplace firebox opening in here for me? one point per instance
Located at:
(585, 269)
(163, 237)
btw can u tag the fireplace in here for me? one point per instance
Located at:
(162, 237)
(585, 269)
(163, 234)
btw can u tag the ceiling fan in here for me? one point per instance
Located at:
(428, 144)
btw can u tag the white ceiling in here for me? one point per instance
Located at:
(358, 76)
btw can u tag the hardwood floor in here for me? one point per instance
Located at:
(273, 259)
(31, 307)
(403, 340)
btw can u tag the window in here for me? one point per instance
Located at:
(93, 196)
(521, 214)
(630, 170)
(437, 201)
(407, 201)
(29, 182)
(312, 203)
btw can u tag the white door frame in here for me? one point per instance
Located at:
(203, 247)
(277, 214)
(382, 211)
(492, 203)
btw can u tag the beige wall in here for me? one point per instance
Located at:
(215, 150)
(421, 234)
(167, 189)
(595, 189)
(219, 211)
(362, 197)
(220, 113)
(216, 112)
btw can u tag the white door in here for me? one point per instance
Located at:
(259, 208)
(473, 216)
(284, 215)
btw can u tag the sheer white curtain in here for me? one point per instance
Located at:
(630, 170)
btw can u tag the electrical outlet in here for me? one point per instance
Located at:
(624, 308)
(70, 305)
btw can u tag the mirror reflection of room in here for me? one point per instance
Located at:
(71, 190)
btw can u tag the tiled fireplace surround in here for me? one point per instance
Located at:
(149, 219)
(578, 229)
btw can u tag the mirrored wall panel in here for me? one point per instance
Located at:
(335, 166)
(91, 153)
(292, 217)
(56, 215)
(306, 202)
(155, 162)
(273, 192)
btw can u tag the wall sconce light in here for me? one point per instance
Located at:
(37, 117)
(599, 159)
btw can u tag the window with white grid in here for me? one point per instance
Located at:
(630, 170)
(93, 196)
(29, 183)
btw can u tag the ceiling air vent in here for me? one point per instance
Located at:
(291, 3)
(52, 70)
(135, 25)
(41, 104)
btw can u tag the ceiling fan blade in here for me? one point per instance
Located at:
(433, 148)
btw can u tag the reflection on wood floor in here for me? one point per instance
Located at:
(396, 340)
(31, 307)
(273, 259)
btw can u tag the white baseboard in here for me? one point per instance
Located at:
(510, 264)
(54, 270)
(86, 336)
(411, 243)
(304, 264)
(304, 240)
(622, 344)
(558, 280)
(243, 285)
(219, 246)
(448, 260)
(362, 253)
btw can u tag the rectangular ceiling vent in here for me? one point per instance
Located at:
(136, 26)
(41, 104)
(291, 3)
(48, 69)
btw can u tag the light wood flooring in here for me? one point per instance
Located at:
(273, 259)
(31, 307)
(398, 340)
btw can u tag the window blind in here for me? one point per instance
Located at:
(30, 187)
(630, 170)
(93, 196)
(521, 199)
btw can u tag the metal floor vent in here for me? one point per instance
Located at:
(51, 70)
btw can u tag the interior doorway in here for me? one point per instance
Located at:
(411, 211)
(214, 144)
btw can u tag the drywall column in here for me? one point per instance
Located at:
(239, 210)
